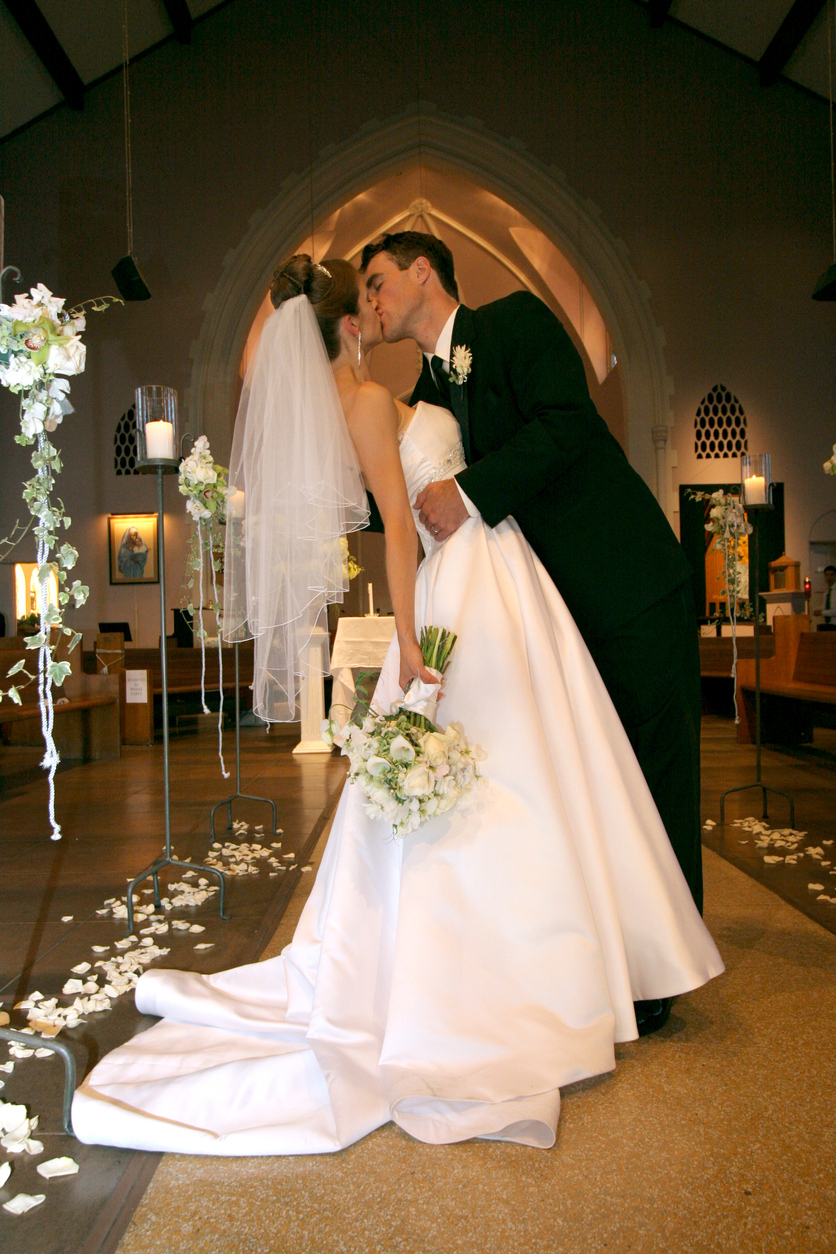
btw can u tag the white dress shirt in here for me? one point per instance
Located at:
(443, 349)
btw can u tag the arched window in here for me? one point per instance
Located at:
(124, 445)
(720, 425)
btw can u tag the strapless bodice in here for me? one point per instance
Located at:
(431, 449)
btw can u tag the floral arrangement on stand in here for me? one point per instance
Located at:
(204, 483)
(408, 768)
(830, 464)
(39, 343)
(727, 521)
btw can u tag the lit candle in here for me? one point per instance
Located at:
(371, 601)
(754, 489)
(236, 506)
(159, 440)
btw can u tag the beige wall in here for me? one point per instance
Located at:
(718, 188)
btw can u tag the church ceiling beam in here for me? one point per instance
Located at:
(180, 18)
(659, 10)
(48, 50)
(787, 38)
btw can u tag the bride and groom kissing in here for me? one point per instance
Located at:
(455, 980)
(537, 449)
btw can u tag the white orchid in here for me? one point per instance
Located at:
(460, 364)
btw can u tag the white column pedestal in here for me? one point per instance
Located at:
(313, 702)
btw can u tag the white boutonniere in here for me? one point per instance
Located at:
(460, 364)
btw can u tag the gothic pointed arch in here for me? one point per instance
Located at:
(538, 191)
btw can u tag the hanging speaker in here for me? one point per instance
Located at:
(826, 286)
(129, 281)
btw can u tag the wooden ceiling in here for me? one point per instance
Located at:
(53, 50)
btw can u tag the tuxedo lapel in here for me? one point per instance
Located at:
(462, 337)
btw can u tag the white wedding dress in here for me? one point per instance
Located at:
(452, 981)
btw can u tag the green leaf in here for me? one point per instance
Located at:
(18, 666)
(80, 592)
(15, 696)
(75, 640)
(68, 556)
(58, 672)
(35, 642)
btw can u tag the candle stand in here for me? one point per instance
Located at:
(243, 796)
(159, 405)
(64, 1052)
(757, 479)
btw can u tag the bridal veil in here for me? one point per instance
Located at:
(295, 490)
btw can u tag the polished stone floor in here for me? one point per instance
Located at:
(715, 1134)
(113, 823)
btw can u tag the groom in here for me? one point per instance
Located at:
(537, 448)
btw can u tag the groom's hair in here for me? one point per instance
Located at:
(404, 246)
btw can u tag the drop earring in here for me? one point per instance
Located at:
(359, 348)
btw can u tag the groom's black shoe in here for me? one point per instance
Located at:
(652, 1015)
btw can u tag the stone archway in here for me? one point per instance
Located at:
(538, 191)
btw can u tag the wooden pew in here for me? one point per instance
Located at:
(184, 667)
(86, 710)
(800, 677)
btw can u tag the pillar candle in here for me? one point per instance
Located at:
(159, 440)
(371, 601)
(755, 490)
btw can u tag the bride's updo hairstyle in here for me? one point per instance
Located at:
(331, 287)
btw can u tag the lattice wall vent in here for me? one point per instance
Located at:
(720, 425)
(124, 444)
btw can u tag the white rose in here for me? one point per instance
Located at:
(196, 510)
(401, 750)
(418, 782)
(434, 748)
(68, 358)
(203, 473)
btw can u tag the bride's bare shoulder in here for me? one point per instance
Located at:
(371, 401)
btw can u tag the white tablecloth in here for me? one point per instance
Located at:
(359, 643)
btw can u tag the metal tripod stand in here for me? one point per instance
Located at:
(166, 859)
(243, 796)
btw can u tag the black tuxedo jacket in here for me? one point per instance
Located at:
(537, 448)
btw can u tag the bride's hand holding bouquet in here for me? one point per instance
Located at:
(409, 769)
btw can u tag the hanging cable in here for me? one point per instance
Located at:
(126, 101)
(830, 118)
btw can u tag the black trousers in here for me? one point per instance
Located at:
(651, 667)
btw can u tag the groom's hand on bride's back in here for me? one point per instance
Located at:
(441, 508)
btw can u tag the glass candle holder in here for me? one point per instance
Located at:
(756, 481)
(157, 428)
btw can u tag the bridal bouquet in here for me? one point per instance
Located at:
(408, 768)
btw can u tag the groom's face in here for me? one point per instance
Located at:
(395, 296)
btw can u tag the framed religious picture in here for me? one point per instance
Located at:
(133, 548)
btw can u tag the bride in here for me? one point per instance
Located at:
(455, 980)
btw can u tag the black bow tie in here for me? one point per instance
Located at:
(442, 379)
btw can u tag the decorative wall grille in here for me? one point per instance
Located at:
(124, 444)
(720, 425)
